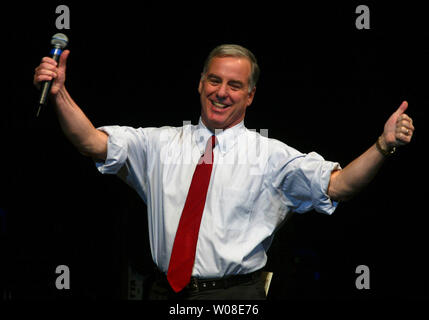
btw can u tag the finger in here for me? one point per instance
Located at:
(404, 116)
(406, 123)
(49, 60)
(404, 130)
(46, 72)
(402, 138)
(46, 66)
(63, 60)
(402, 108)
(42, 77)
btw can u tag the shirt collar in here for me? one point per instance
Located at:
(226, 139)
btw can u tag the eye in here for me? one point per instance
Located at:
(235, 87)
(214, 80)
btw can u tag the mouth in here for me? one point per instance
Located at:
(218, 105)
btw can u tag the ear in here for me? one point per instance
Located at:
(200, 85)
(250, 97)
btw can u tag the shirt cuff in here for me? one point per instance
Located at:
(116, 151)
(319, 186)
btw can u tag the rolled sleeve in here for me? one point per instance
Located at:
(320, 170)
(116, 150)
(127, 155)
(305, 182)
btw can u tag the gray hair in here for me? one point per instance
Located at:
(234, 50)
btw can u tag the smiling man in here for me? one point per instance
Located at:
(212, 220)
(227, 88)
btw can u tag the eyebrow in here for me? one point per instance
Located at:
(211, 75)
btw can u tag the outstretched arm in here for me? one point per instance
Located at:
(345, 183)
(74, 123)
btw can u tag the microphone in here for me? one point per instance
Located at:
(59, 41)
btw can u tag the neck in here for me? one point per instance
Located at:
(214, 129)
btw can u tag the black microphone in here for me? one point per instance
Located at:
(59, 41)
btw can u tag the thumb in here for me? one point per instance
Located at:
(402, 108)
(63, 60)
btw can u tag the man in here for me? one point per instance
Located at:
(216, 192)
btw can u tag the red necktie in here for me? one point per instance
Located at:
(185, 243)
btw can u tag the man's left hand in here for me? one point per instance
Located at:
(399, 129)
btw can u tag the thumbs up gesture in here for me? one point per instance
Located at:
(49, 69)
(398, 129)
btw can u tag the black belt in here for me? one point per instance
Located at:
(197, 285)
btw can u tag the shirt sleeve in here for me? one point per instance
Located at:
(303, 180)
(127, 154)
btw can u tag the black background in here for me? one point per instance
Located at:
(325, 86)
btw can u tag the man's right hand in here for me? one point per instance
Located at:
(48, 69)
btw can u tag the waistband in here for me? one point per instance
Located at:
(197, 285)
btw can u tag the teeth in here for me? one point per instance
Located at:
(220, 105)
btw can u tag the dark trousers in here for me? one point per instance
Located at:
(253, 289)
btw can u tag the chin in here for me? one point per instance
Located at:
(214, 122)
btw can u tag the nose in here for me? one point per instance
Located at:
(222, 92)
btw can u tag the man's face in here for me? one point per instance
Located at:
(224, 92)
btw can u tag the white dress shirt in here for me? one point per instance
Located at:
(256, 181)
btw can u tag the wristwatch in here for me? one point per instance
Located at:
(385, 153)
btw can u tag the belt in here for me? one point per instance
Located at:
(197, 285)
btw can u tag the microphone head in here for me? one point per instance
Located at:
(59, 40)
